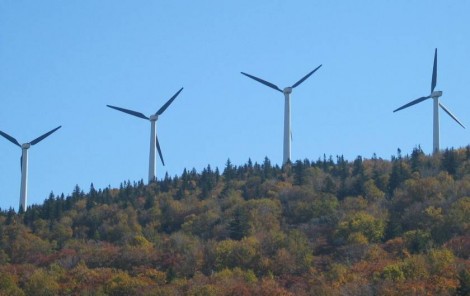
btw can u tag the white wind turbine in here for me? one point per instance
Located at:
(153, 134)
(287, 126)
(435, 96)
(24, 163)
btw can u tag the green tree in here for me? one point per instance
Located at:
(239, 226)
(464, 283)
(400, 172)
(9, 286)
(42, 284)
(229, 171)
(450, 161)
(418, 241)
(361, 222)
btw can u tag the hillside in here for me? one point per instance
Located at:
(325, 227)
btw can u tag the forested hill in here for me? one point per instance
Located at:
(325, 227)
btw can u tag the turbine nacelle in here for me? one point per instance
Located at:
(153, 117)
(287, 90)
(436, 94)
(26, 146)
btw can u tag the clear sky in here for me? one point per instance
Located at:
(61, 62)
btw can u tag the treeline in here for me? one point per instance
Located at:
(324, 227)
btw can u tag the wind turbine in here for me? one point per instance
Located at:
(24, 162)
(286, 91)
(435, 96)
(153, 135)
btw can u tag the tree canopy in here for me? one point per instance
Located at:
(324, 227)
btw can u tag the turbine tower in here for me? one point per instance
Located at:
(153, 134)
(287, 126)
(435, 95)
(24, 163)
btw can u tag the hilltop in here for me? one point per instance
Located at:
(325, 227)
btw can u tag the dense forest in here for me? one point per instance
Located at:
(324, 227)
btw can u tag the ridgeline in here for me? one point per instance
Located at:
(325, 227)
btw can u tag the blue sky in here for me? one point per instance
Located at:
(61, 62)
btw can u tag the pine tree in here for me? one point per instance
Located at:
(464, 284)
(239, 226)
(299, 173)
(450, 161)
(267, 168)
(416, 159)
(229, 171)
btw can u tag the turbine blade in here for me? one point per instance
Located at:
(412, 103)
(37, 140)
(263, 81)
(434, 72)
(163, 108)
(451, 115)
(305, 77)
(138, 114)
(159, 151)
(10, 138)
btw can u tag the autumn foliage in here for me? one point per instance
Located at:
(325, 227)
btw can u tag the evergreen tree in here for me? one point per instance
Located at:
(229, 171)
(450, 161)
(239, 226)
(400, 172)
(299, 173)
(464, 284)
(166, 183)
(417, 157)
(267, 168)
(10, 216)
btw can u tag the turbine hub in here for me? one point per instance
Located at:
(26, 146)
(153, 117)
(436, 94)
(287, 90)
